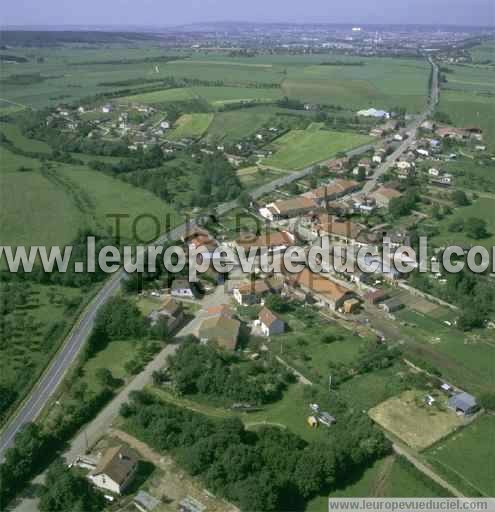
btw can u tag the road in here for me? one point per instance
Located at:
(54, 374)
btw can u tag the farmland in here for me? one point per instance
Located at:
(299, 148)
(416, 424)
(458, 457)
(191, 125)
(78, 195)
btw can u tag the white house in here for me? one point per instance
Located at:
(106, 109)
(377, 159)
(373, 112)
(433, 172)
(164, 125)
(115, 470)
(269, 323)
(422, 152)
(398, 137)
(181, 288)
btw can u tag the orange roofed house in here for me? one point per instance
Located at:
(325, 292)
(275, 241)
(288, 208)
(334, 190)
(250, 293)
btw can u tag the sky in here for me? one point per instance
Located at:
(177, 12)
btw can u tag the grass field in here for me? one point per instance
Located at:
(191, 126)
(484, 52)
(300, 148)
(481, 208)
(252, 177)
(13, 133)
(468, 457)
(68, 199)
(417, 426)
(472, 174)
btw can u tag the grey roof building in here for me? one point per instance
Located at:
(464, 403)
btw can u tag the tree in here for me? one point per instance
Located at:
(456, 226)
(487, 400)
(460, 198)
(64, 491)
(105, 377)
(476, 228)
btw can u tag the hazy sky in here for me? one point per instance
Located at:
(164, 12)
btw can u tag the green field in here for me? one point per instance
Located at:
(13, 133)
(467, 458)
(299, 148)
(472, 174)
(467, 98)
(68, 199)
(481, 208)
(484, 52)
(191, 126)
(252, 177)
(231, 126)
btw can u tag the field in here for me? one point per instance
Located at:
(417, 426)
(300, 148)
(68, 199)
(468, 99)
(69, 74)
(484, 52)
(481, 208)
(252, 177)
(12, 132)
(467, 458)
(472, 174)
(191, 126)
(217, 96)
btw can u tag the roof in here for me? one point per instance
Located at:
(393, 303)
(179, 284)
(222, 330)
(261, 286)
(195, 231)
(268, 318)
(388, 193)
(336, 226)
(222, 310)
(463, 401)
(321, 285)
(273, 239)
(375, 295)
(117, 463)
(297, 203)
(147, 501)
(337, 187)
(170, 306)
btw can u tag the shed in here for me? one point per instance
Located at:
(145, 502)
(392, 305)
(464, 403)
(351, 306)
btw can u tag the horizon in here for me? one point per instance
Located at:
(151, 13)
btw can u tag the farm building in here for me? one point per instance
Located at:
(375, 296)
(270, 323)
(463, 403)
(334, 190)
(288, 208)
(182, 288)
(115, 470)
(251, 293)
(221, 330)
(171, 311)
(373, 112)
(275, 241)
(392, 305)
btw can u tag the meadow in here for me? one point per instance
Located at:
(480, 208)
(67, 199)
(300, 148)
(467, 458)
(419, 426)
(191, 126)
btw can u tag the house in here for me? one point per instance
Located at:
(106, 109)
(377, 159)
(145, 502)
(312, 421)
(373, 112)
(334, 190)
(377, 132)
(429, 400)
(164, 125)
(463, 403)
(221, 330)
(449, 132)
(392, 305)
(182, 288)
(325, 292)
(427, 125)
(337, 165)
(336, 228)
(190, 504)
(423, 152)
(253, 292)
(115, 470)
(384, 195)
(288, 208)
(275, 241)
(270, 323)
(351, 306)
(375, 296)
(171, 311)
(398, 137)
(480, 148)
(433, 172)
(444, 180)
